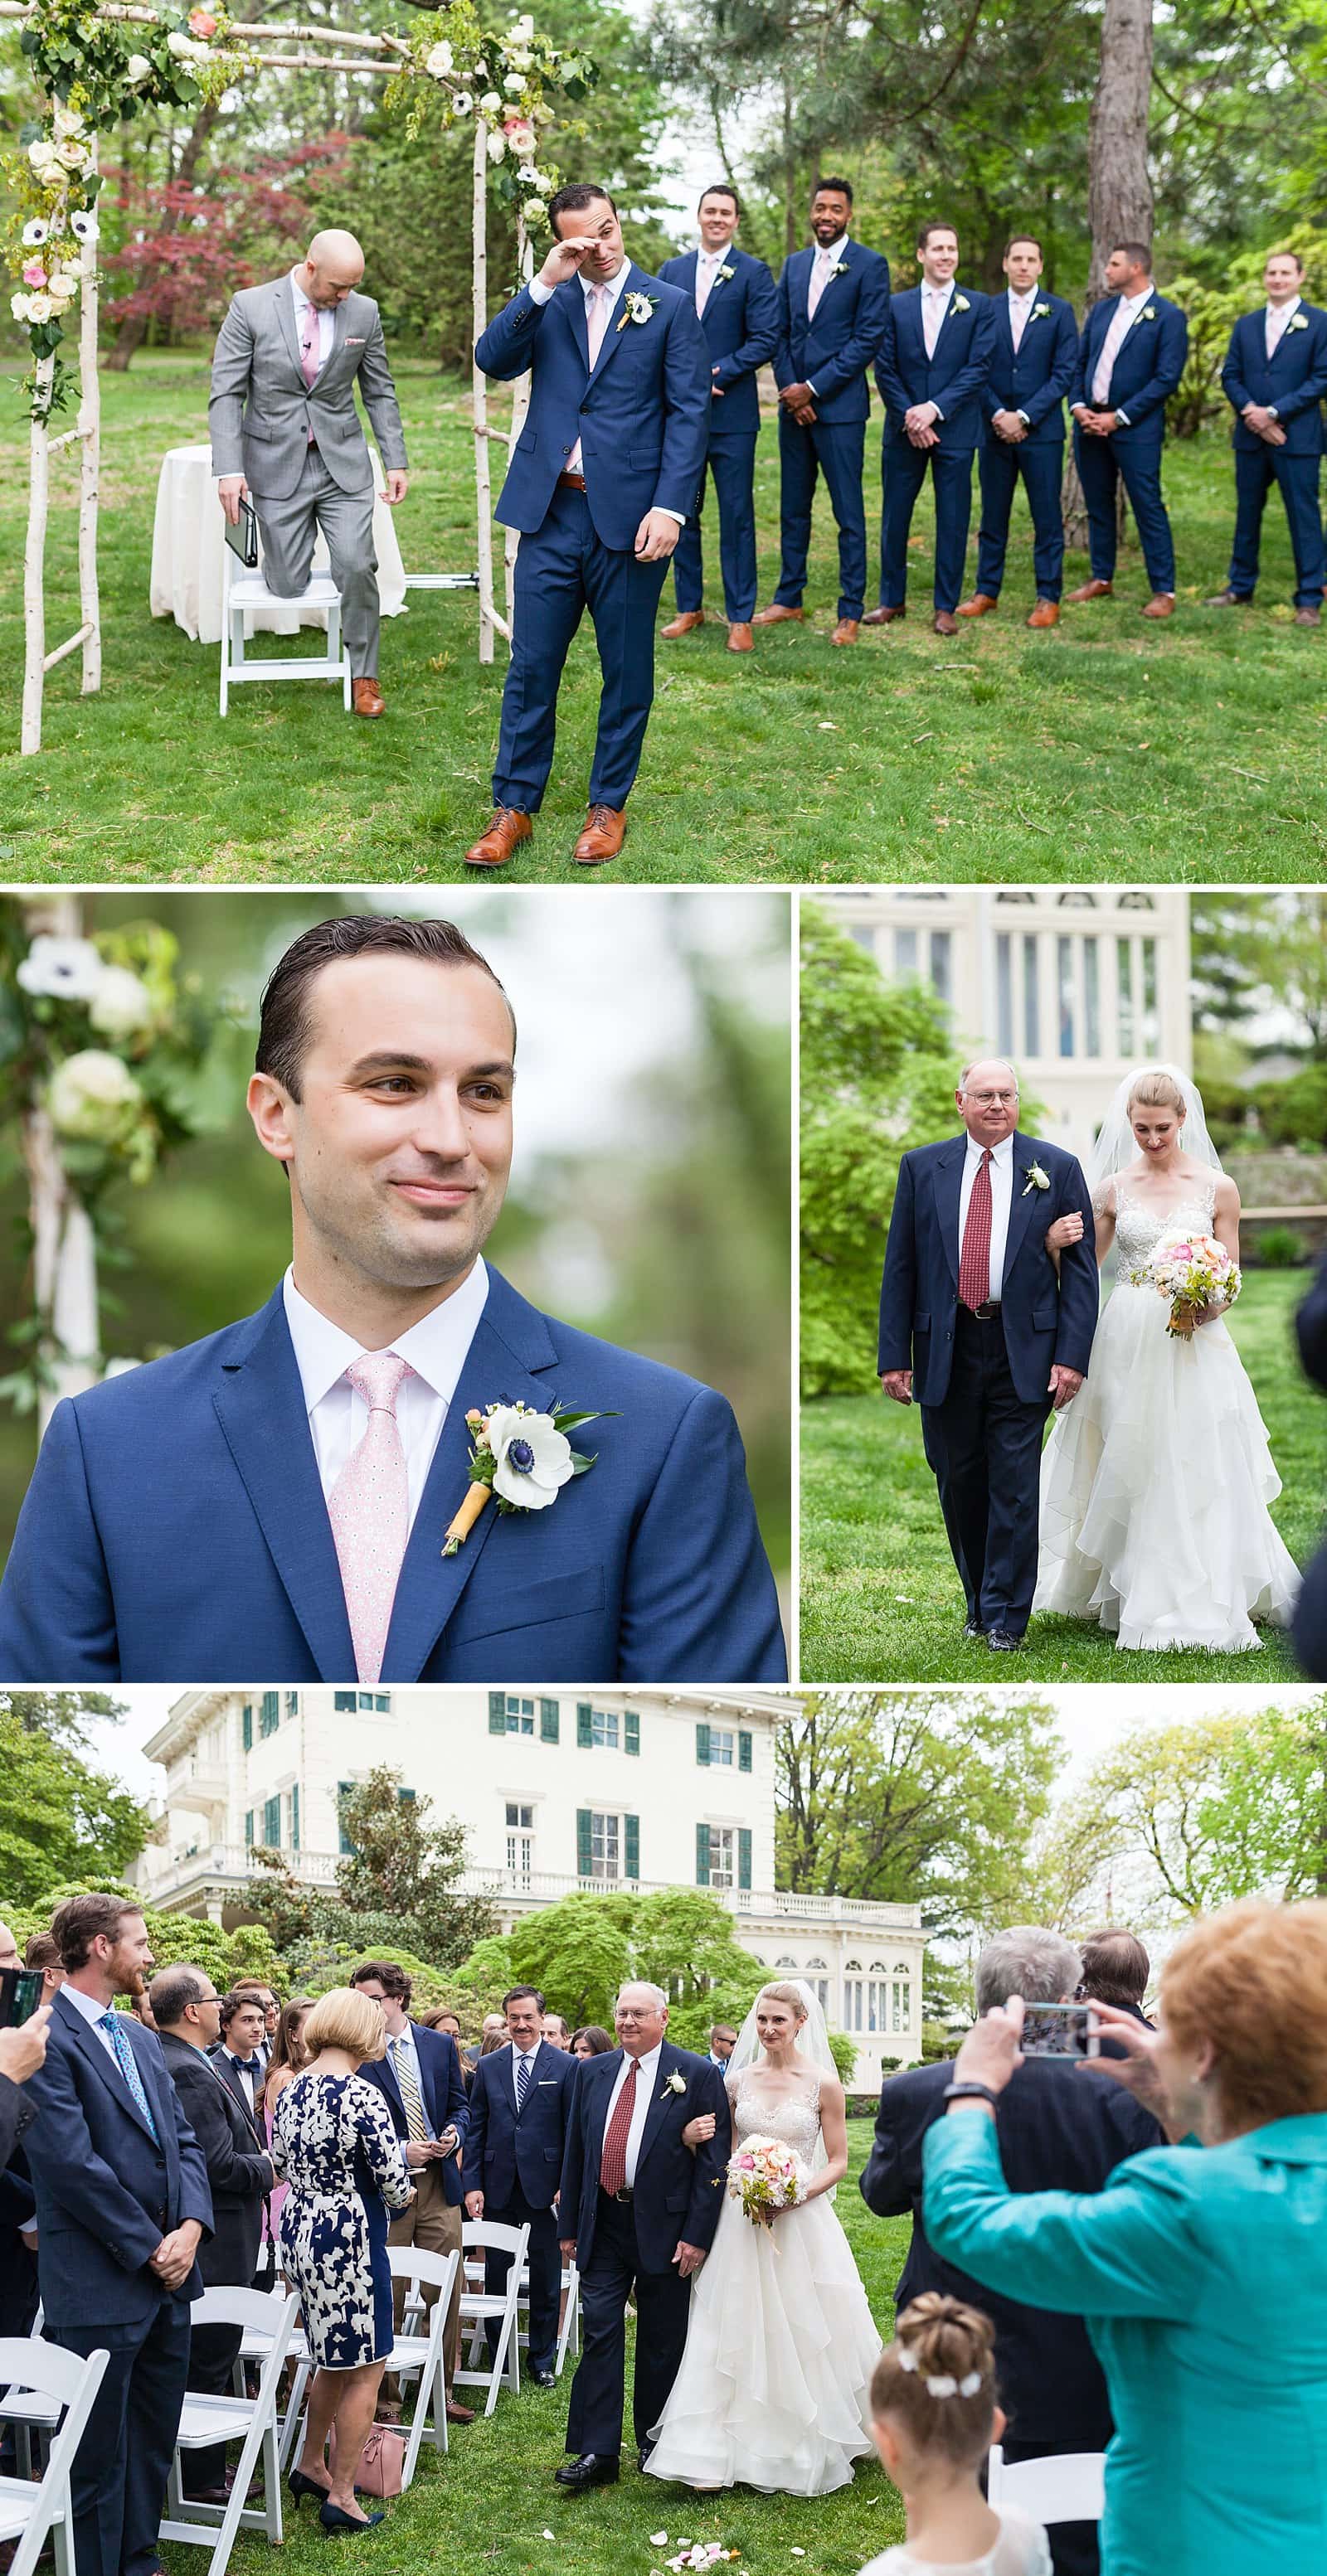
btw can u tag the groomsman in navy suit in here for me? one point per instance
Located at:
(602, 478)
(1274, 379)
(1130, 359)
(1022, 431)
(931, 371)
(520, 2104)
(833, 307)
(738, 311)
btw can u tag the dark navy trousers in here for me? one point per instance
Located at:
(561, 570)
(983, 1446)
(836, 449)
(903, 470)
(118, 2482)
(1001, 463)
(663, 2306)
(1255, 473)
(731, 466)
(1102, 462)
(545, 2268)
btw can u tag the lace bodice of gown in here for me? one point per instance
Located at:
(795, 2118)
(1140, 1223)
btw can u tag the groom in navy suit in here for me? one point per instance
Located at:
(637, 2213)
(1274, 379)
(520, 2104)
(977, 1323)
(738, 312)
(277, 1499)
(931, 371)
(1131, 357)
(1022, 431)
(602, 478)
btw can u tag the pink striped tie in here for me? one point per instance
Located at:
(369, 1509)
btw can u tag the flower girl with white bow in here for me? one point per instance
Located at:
(934, 2417)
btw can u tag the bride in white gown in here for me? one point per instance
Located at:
(774, 2388)
(1155, 1482)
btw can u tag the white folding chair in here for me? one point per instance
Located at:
(1067, 2488)
(31, 2512)
(251, 2421)
(242, 590)
(569, 2331)
(415, 2352)
(478, 2306)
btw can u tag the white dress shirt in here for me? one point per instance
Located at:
(1275, 318)
(516, 2056)
(324, 315)
(1002, 1191)
(92, 2012)
(647, 2085)
(247, 2080)
(1118, 328)
(541, 294)
(435, 1349)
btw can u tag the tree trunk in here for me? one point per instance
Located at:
(1119, 184)
(133, 330)
(791, 208)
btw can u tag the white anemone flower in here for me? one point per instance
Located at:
(35, 233)
(533, 1457)
(71, 968)
(462, 103)
(83, 226)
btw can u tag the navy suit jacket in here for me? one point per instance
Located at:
(1148, 365)
(1311, 1614)
(834, 350)
(741, 327)
(176, 1525)
(642, 418)
(1045, 1321)
(1295, 380)
(1035, 377)
(503, 2152)
(106, 2191)
(678, 2194)
(443, 2087)
(955, 377)
(1058, 2131)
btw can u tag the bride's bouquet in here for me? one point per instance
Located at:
(1191, 1271)
(763, 2176)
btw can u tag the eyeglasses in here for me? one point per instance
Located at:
(991, 1099)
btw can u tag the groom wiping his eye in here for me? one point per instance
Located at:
(989, 1331)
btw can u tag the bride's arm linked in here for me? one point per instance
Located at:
(699, 2131)
(1069, 1229)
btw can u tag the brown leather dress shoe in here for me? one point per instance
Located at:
(846, 631)
(602, 838)
(777, 616)
(458, 2414)
(1229, 599)
(884, 616)
(981, 604)
(740, 638)
(367, 698)
(682, 624)
(494, 847)
(944, 622)
(1161, 604)
(1308, 617)
(1046, 613)
(1091, 590)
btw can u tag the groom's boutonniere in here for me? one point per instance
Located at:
(677, 2083)
(1036, 1179)
(961, 304)
(638, 308)
(520, 1460)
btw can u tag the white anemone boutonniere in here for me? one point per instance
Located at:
(677, 2083)
(961, 304)
(637, 308)
(1036, 1179)
(839, 269)
(1296, 322)
(520, 1460)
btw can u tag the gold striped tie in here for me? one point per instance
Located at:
(403, 2058)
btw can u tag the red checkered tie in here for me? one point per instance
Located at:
(613, 2159)
(974, 1261)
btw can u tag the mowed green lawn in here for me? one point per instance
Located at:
(881, 1601)
(1197, 750)
(491, 2504)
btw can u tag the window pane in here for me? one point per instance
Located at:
(1124, 972)
(721, 1745)
(1151, 1021)
(905, 952)
(1091, 998)
(940, 963)
(1031, 997)
(1064, 969)
(1004, 993)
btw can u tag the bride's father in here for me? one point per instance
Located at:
(977, 1321)
(640, 2210)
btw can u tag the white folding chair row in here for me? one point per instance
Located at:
(33, 2512)
(1067, 2488)
(479, 2307)
(412, 2355)
(251, 2421)
(569, 2332)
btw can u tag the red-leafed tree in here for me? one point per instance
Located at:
(186, 248)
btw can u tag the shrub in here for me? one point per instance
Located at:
(1280, 1248)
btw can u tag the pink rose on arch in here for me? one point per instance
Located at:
(34, 274)
(520, 134)
(202, 23)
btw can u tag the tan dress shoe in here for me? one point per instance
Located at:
(367, 698)
(1046, 613)
(1308, 617)
(682, 624)
(740, 638)
(494, 847)
(777, 616)
(944, 622)
(981, 604)
(1161, 604)
(884, 616)
(458, 2414)
(1091, 590)
(846, 631)
(602, 838)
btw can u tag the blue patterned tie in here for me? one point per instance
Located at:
(111, 2023)
(524, 2062)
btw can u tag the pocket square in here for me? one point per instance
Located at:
(543, 2082)
(354, 341)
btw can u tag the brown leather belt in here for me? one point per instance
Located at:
(574, 482)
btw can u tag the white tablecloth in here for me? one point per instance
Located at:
(188, 548)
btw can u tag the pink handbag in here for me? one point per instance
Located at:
(382, 2462)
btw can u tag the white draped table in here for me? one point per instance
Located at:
(188, 550)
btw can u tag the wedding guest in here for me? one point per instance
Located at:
(519, 2107)
(723, 2040)
(22, 2051)
(271, 2011)
(1033, 357)
(738, 312)
(1131, 356)
(141, 2009)
(935, 2416)
(8, 1949)
(1116, 1969)
(592, 2040)
(334, 2145)
(1311, 1614)
(42, 1952)
(493, 2039)
(239, 2051)
(555, 2030)
(419, 2075)
(1274, 378)
(1202, 2270)
(494, 2026)
(934, 360)
(288, 2059)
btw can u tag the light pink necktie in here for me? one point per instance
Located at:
(706, 273)
(369, 1509)
(1018, 314)
(932, 317)
(1110, 349)
(824, 261)
(1277, 317)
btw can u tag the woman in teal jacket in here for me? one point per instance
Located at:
(1201, 2269)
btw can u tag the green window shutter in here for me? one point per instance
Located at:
(271, 1715)
(743, 1857)
(344, 1789)
(632, 1726)
(633, 1846)
(294, 1817)
(743, 1750)
(248, 1829)
(497, 1712)
(246, 1729)
(584, 1851)
(584, 1722)
(549, 1721)
(272, 1823)
(702, 1744)
(702, 1855)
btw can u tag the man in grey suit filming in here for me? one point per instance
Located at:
(285, 432)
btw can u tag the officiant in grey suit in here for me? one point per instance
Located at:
(285, 432)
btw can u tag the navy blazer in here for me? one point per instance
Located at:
(504, 2152)
(1035, 377)
(678, 2193)
(741, 327)
(1310, 1630)
(176, 1525)
(1058, 2130)
(1046, 1321)
(443, 2088)
(106, 2191)
(1295, 380)
(954, 378)
(834, 351)
(642, 418)
(1148, 365)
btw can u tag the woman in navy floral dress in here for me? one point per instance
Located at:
(334, 2144)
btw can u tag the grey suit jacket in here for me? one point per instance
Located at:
(261, 410)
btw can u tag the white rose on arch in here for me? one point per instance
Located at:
(533, 1457)
(521, 137)
(514, 84)
(121, 1005)
(91, 1095)
(64, 282)
(41, 307)
(439, 62)
(18, 306)
(66, 121)
(497, 144)
(490, 103)
(137, 70)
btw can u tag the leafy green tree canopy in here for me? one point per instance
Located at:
(60, 1817)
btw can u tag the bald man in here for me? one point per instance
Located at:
(286, 434)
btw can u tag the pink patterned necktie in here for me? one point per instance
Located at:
(310, 337)
(596, 321)
(369, 1509)
(820, 269)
